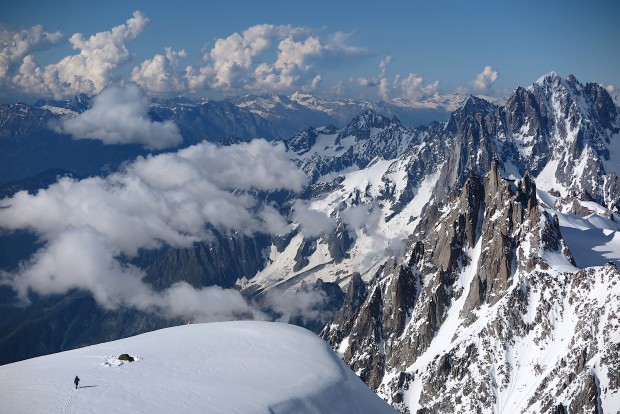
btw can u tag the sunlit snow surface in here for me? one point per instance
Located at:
(594, 239)
(227, 367)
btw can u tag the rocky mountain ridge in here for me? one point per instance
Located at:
(559, 130)
(272, 117)
(477, 249)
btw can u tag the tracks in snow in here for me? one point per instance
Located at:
(74, 392)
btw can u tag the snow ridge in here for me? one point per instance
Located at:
(235, 367)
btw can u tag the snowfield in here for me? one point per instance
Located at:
(225, 367)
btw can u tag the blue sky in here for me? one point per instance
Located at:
(379, 50)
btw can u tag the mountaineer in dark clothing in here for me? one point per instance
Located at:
(76, 381)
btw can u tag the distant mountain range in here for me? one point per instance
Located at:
(470, 263)
(272, 117)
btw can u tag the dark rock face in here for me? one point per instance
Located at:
(554, 119)
(361, 126)
(339, 242)
(372, 320)
(221, 262)
(355, 296)
(509, 212)
(365, 138)
(588, 399)
(308, 246)
(305, 140)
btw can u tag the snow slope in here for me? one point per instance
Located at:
(593, 237)
(226, 367)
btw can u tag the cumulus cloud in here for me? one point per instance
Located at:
(90, 70)
(203, 305)
(380, 82)
(82, 258)
(313, 223)
(384, 89)
(314, 84)
(90, 225)
(15, 44)
(262, 58)
(486, 78)
(293, 60)
(161, 74)
(384, 64)
(119, 115)
(413, 88)
(243, 61)
(366, 81)
(233, 57)
(337, 89)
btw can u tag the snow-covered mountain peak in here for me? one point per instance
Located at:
(75, 105)
(550, 77)
(472, 103)
(304, 98)
(365, 125)
(472, 107)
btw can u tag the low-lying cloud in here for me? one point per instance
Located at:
(119, 115)
(91, 226)
(312, 223)
(82, 258)
(361, 216)
(305, 303)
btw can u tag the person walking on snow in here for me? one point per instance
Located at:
(76, 381)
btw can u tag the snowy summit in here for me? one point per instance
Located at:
(227, 367)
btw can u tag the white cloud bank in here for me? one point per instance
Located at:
(262, 58)
(119, 115)
(89, 225)
(243, 62)
(89, 71)
(15, 44)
